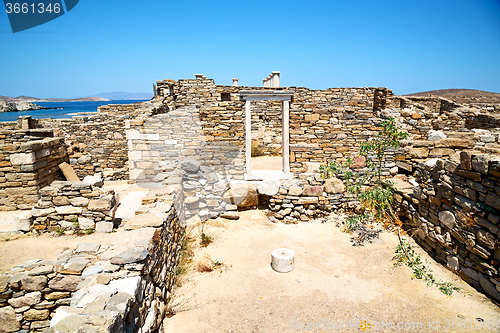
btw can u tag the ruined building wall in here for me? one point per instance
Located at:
(456, 210)
(25, 167)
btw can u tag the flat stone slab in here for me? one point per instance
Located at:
(143, 221)
(130, 256)
(87, 247)
(68, 172)
(129, 204)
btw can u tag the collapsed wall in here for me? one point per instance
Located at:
(456, 210)
(121, 286)
(29, 160)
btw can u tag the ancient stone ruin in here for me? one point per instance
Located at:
(195, 140)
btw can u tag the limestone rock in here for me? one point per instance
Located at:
(130, 256)
(26, 300)
(144, 221)
(85, 223)
(231, 215)
(104, 227)
(435, 135)
(295, 190)
(84, 159)
(480, 163)
(87, 247)
(67, 210)
(268, 187)
(100, 205)
(447, 218)
(34, 283)
(334, 186)
(65, 282)
(191, 166)
(418, 152)
(9, 320)
(488, 287)
(242, 194)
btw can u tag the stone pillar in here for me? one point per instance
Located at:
(235, 82)
(198, 76)
(285, 136)
(263, 82)
(204, 77)
(276, 79)
(248, 136)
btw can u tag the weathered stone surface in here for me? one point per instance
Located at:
(65, 282)
(9, 320)
(87, 247)
(268, 187)
(359, 162)
(488, 287)
(144, 221)
(34, 283)
(454, 143)
(84, 159)
(104, 227)
(441, 152)
(231, 215)
(22, 158)
(61, 201)
(130, 256)
(435, 135)
(191, 166)
(418, 152)
(94, 180)
(453, 263)
(26, 300)
(33, 315)
(447, 218)
(295, 190)
(100, 205)
(334, 186)
(68, 172)
(486, 238)
(480, 163)
(493, 200)
(242, 194)
(41, 270)
(67, 210)
(85, 223)
(464, 202)
(313, 191)
(308, 200)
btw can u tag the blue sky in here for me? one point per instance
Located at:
(405, 45)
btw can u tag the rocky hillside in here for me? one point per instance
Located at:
(35, 99)
(469, 96)
(19, 106)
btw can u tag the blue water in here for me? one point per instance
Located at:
(68, 107)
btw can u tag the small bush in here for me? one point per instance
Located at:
(256, 150)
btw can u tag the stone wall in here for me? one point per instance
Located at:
(456, 210)
(123, 286)
(73, 206)
(26, 167)
(97, 142)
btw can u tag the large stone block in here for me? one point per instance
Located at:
(454, 143)
(22, 158)
(334, 186)
(268, 187)
(418, 152)
(242, 194)
(9, 320)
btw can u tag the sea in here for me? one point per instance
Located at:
(62, 110)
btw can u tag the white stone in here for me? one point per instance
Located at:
(447, 218)
(431, 163)
(95, 180)
(63, 312)
(268, 187)
(453, 263)
(66, 210)
(133, 135)
(435, 135)
(22, 158)
(105, 227)
(86, 223)
(151, 137)
(127, 285)
(282, 260)
(23, 221)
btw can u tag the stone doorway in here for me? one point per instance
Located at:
(285, 97)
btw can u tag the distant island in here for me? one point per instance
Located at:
(19, 106)
(35, 99)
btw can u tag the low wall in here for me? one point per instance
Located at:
(73, 206)
(456, 208)
(27, 167)
(121, 287)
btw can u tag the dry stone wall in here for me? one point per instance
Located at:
(26, 167)
(73, 206)
(456, 210)
(119, 287)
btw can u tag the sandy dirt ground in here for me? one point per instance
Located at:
(333, 285)
(266, 163)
